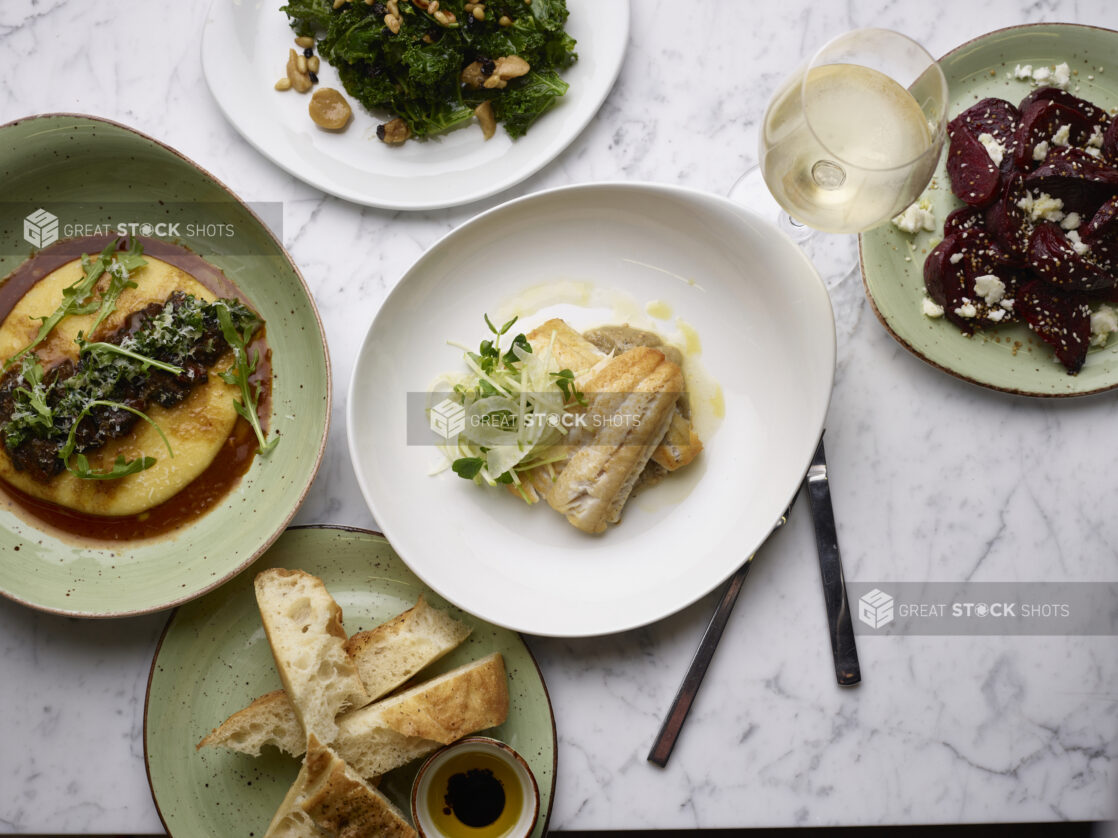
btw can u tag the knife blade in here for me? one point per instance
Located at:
(843, 648)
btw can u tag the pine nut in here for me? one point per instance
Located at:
(505, 20)
(304, 41)
(478, 13)
(283, 84)
(313, 64)
(301, 63)
(433, 7)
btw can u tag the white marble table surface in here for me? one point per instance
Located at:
(943, 729)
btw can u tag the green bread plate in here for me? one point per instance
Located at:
(1010, 358)
(86, 172)
(213, 659)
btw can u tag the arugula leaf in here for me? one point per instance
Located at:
(146, 362)
(239, 337)
(78, 298)
(119, 271)
(121, 467)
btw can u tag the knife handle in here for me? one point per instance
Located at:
(841, 628)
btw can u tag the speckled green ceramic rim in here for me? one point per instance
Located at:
(213, 659)
(81, 161)
(1010, 358)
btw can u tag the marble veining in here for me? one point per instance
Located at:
(933, 480)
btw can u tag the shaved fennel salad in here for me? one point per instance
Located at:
(515, 401)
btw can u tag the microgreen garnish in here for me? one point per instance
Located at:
(239, 336)
(565, 380)
(467, 467)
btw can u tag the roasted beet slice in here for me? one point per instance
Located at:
(1083, 182)
(1110, 143)
(1090, 112)
(1041, 121)
(964, 218)
(1054, 259)
(1061, 319)
(1006, 221)
(995, 117)
(950, 272)
(941, 275)
(974, 177)
(1103, 224)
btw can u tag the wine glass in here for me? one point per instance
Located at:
(848, 142)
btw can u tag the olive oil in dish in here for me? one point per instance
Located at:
(475, 794)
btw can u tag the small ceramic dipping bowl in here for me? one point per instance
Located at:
(476, 787)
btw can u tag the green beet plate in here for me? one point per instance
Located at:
(214, 658)
(83, 170)
(1009, 358)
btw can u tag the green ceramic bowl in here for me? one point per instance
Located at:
(1009, 358)
(83, 169)
(214, 658)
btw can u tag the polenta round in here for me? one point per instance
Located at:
(196, 428)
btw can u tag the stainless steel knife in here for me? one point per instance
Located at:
(839, 624)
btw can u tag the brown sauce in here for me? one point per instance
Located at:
(226, 469)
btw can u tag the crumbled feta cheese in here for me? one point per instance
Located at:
(1094, 152)
(1077, 244)
(1056, 76)
(995, 149)
(989, 288)
(956, 258)
(1071, 221)
(1042, 206)
(1061, 74)
(1040, 150)
(932, 309)
(1062, 135)
(996, 314)
(1103, 323)
(1007, 304)
(1096, 138)
(967, 310)
(917, 217)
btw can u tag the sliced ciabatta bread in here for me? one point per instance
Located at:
(403, 727)
(269, 720)
(385, 657)
(342, 804)
(290, 821)
(393, 652)
(304, 628)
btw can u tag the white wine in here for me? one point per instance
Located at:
(846, 149)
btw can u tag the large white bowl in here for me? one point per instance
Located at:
(768, 339)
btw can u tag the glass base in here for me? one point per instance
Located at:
(835, 255)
